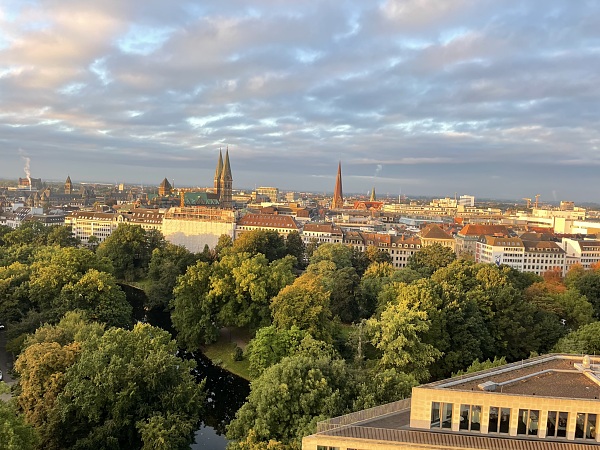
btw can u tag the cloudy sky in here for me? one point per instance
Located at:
(425, 97)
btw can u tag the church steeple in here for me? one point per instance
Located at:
(218, 172)
(373, 194)
(226, 183)
(68, 186)
(338, 197)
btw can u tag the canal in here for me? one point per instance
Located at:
(225, 392)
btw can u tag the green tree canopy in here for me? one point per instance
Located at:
(267, 242)
(294, 246)
(398, 334)
(166, 264)
(129, 248)
(234, 291)
(304, 304)
(585, 340)
(99, 296)
(15, 433)
(289, 398)
(339, 254)
(128, 389)
(431, 258)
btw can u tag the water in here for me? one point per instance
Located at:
(207, 439)
(226, 392)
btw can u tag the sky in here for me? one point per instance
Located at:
(497, 99)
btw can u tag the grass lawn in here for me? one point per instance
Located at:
(221, 352)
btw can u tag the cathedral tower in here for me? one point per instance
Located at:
(218, 173)
(338, 197)
(68, 186)
(226, 183)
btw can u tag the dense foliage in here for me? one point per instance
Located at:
(335, 330)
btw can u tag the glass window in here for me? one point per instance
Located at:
(504, 420)
(556, 425)
(528, 422)
(470, 417)
(493, 421)
(435, 415)
(585, 427)
(447, 415)
(441, 415)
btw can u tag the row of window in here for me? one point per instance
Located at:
(499, 421)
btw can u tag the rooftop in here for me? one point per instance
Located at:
(552, 375)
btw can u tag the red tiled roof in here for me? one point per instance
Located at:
(268, 221)
(477, 230)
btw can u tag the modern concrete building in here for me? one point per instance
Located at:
(545, 403)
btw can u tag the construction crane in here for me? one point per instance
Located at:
(537, 197)
(528, 202)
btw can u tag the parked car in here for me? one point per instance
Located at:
(0, 375)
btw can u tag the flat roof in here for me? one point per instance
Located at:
(549, 376)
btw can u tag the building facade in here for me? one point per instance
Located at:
(545, 403)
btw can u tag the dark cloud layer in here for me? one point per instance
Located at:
(495, 99)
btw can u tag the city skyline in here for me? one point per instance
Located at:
(493, 99)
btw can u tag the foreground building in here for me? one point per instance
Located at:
(549, 402)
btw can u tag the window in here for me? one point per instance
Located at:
(556, 426)
(470, 417)
(528, 422)
(441, 415)
(325, 447)
(585, 427)
(499, 420)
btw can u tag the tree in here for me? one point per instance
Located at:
(93, 243)
(129, 248)
(271, 345)
(585, 340)
(127, 389)
(507, 315)
(431, 258)
(341, 284)
(97, 294)
(42, 366)
(267, 242)
(254, 282)
(194, 312)
(477, 366)
(289, 398)
(294, 246)
(166, 264)
(62, 235)
(398, 334)
(234, 291)
(30, 232)
(374, 255)
(14, 291)
(54, 267)
(376, 387)
(15, 433)
(224, 242)
(339, 254)
(304, 304)
(588, 284)
(4, 230)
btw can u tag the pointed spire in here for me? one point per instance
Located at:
(373, 194)
(226, 174)
(219, 170)
(68, 181)
(338, 197)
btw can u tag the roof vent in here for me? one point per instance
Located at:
(488, 386)
(586, 362)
